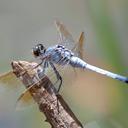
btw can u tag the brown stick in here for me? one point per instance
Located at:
(56, 110)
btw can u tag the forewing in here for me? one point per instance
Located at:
(9, 80)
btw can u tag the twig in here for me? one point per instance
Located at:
(43, 92)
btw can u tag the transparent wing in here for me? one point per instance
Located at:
(66, 39)
(9, 80)
(79, 46)
(24, 100)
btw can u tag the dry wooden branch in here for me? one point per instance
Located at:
(43, 92)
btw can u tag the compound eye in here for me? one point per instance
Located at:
(36, 51)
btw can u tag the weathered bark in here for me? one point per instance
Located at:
(57, 112)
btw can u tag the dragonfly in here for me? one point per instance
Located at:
(66, 52)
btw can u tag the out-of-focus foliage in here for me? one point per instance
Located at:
(99, 102)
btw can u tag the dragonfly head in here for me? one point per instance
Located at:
(38, 50)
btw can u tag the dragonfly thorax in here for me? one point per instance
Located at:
(59, 54)
(38, 50)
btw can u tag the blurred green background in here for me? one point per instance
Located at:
(97, 101)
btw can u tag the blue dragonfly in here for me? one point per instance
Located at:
(65, 53)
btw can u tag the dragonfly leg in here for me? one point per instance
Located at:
(58, 78)
(43, 59)
(57, 75)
